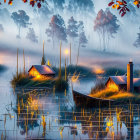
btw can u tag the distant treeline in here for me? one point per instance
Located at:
(3, 68)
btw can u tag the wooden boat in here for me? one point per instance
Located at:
(88, 101)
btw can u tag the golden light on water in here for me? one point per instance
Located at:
(109, 123)
(35, 104)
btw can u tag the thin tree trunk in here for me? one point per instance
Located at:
(70, 53)
(108, 41)
(65, 70)
(17, 63)
(53, 41)
(53, 36)
(23, 62)
(78, 53)
(19, 31)
(104, 41)
(60, 62)
(100, 47)
(43, 49)
(28, 62)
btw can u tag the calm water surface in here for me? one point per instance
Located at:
(44, 114)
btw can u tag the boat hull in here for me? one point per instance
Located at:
(87, 101)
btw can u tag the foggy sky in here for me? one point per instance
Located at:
(121, 44)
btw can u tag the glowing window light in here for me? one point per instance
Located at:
(35, 73)
(113, 86)
(38, 76)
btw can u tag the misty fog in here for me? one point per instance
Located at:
(119, 50)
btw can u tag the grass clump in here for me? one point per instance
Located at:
(121, 95)
(104, 93)
(98, 87)
(23, 80)
(101, 91)
(20, 79)
(112, 94)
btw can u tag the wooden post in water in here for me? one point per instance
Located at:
(43, 62)
(70, 53)
(99, 115)
(28, 62)
(17, 62)
(60, 62)
(23, 62)
(138, 113)
(43, 48)
(65, 70)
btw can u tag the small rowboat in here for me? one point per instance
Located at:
(88, 101)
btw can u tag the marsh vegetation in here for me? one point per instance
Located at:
(113, 93)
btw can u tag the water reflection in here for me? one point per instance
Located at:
(42, 114)
(27, 109)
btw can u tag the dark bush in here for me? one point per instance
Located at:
(114, 71)
(61, 84)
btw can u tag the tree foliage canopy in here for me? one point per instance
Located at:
(82, 37)
(72, 29)
(1, 28)
(20, 18)
(106, 22)
(31, 35)
(121, 5)
(83, 5)
(106, 25)
(59, 3)
(57, 28)
(137, 42)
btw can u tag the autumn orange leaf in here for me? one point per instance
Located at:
(10, 2)
(136, 2)
(114, 6)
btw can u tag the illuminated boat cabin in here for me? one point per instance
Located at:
(41, 72)
(125, 82)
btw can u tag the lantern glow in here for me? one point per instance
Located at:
(66, 52)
